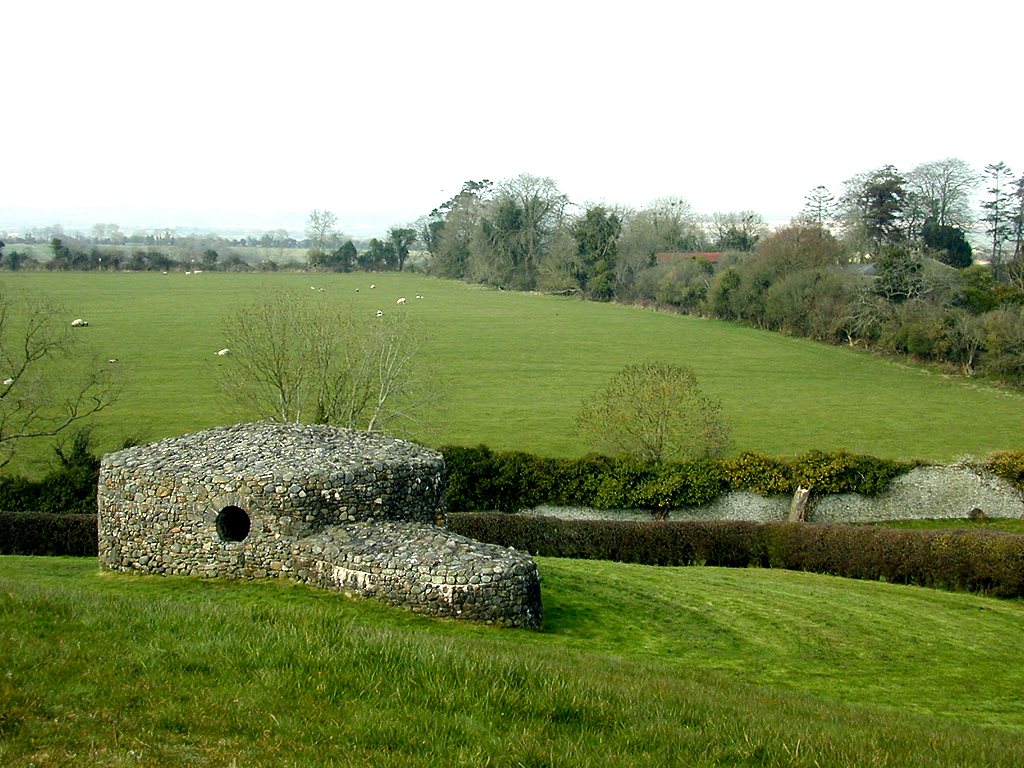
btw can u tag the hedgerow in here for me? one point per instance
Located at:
(482, 480)
(990, 562)
(48, 533)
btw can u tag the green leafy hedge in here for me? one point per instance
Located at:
(976, 561)
(48, 533)
(483, 480)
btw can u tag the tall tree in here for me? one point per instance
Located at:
(515, 231)
(738, 230)
(885, 203)
(401, 239)
(998, 209)
(447, 231)
(944, 189)
(820, 207)
(597, 236)
(320, 229)
(874, 208)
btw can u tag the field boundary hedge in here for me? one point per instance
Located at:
(48, 534)
(989, 562)
(480, 479)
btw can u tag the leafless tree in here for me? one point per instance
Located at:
(48, 378)
(298, 358)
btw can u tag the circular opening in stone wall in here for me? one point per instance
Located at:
(233, 523)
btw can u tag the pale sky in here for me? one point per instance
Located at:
(387, 107)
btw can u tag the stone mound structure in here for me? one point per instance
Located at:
(350, 511)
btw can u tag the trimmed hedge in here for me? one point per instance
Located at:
(48, 533)
(481, 480)
(976, 561)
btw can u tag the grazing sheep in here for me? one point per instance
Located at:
(112, 360)
(223, 352)
(401, 301)
(379, 313)
(79, 323)
(8, 382)
(373, 286)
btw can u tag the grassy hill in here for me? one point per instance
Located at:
(636, 666)
(518, 365)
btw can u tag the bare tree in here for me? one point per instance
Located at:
(944, 189)
(298, 358)
(320, 229)
(48, 379)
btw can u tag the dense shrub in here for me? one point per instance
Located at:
(843, 472)
(62, 491)
(1008, 465)
(47, 533)
(757, 473)
(978, 561)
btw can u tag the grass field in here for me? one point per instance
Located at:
(518, 365)
(636, 666)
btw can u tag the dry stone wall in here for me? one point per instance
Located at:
(350, 511)
(936, 492)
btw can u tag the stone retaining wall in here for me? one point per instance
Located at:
(940, 492)
(351, 511)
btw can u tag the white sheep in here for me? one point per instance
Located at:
(223, 352)
(79, 323)
(401, 300)
(373, 286)
(379, 313)
(8, 382)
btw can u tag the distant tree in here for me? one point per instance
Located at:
(597, 234)
(948, 244)
(738, 231)
(345, 257)
(885, 200)
(654, 412)
(820, 207)
(998, 209)
(665, 225)
(944, 189)
(515, 231)
(448, 231)
(400, 240)
(377, 257)
(320, 229)
(210, 258)
(874, 208)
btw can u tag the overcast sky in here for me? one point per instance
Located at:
(387, 107)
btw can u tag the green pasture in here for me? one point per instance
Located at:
(635, 666)
(516, 366)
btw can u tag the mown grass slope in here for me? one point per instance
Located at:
(636, 666)
(518, 365)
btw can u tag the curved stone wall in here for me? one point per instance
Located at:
(352, 511)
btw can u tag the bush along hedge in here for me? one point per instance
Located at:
(47, 533)
(483, 480)
(978, 561)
